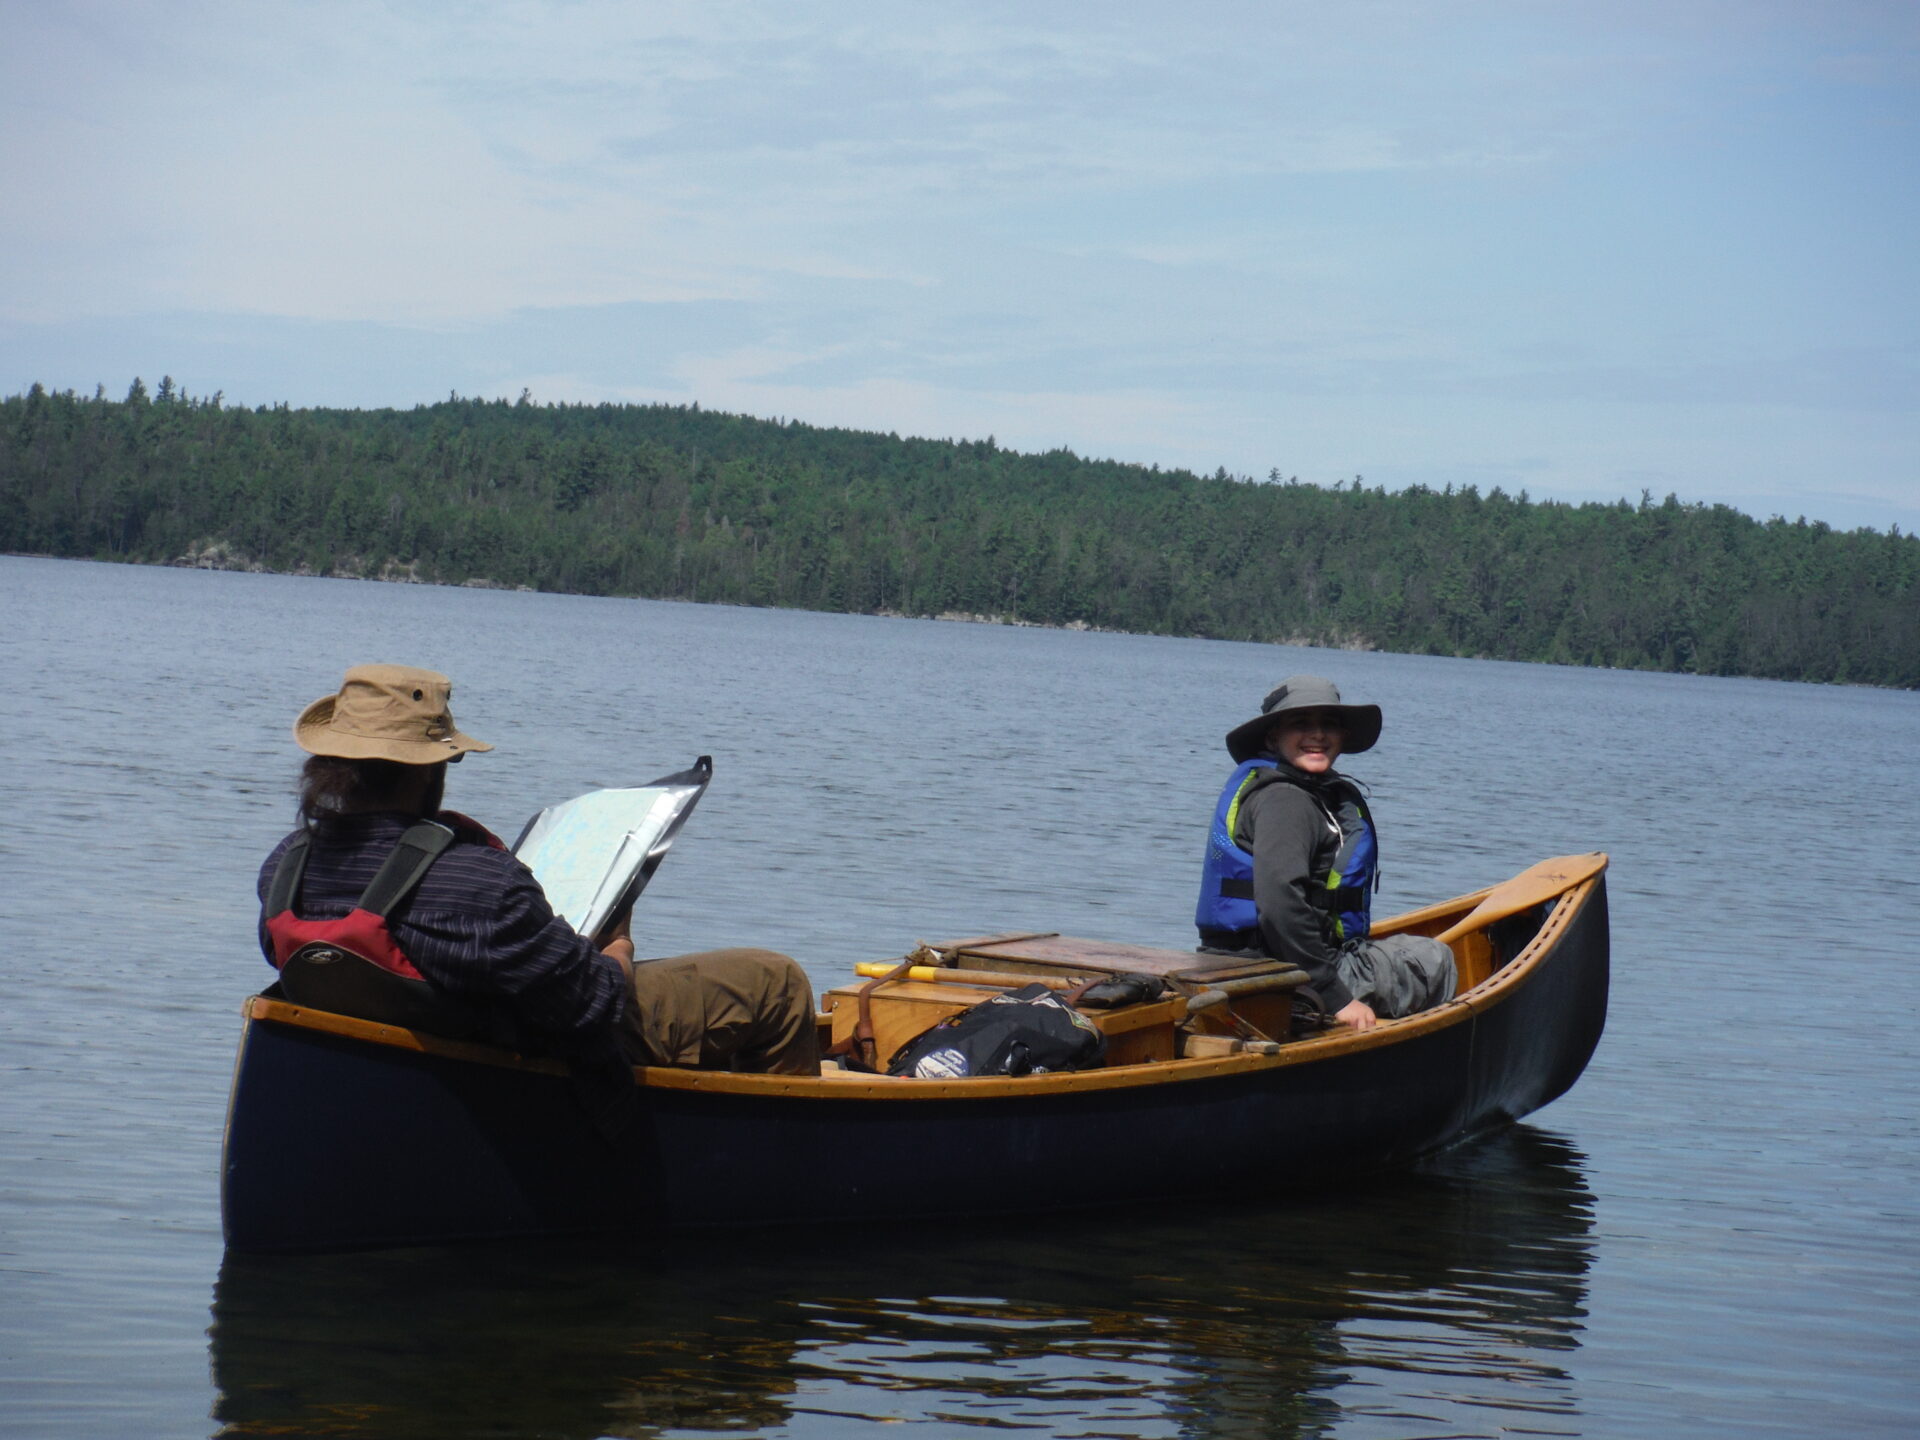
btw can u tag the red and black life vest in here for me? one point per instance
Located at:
(353, 965)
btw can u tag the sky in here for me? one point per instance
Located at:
(1579, 250)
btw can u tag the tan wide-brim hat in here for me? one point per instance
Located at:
(386, 712)
(1361, 723)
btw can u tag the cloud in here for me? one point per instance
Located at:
(424, 163)
(1381, 233)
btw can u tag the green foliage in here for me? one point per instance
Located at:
(679, 502)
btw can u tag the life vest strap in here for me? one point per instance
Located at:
(284, 888)
(1347, 897)
(405, 867)
(1232, 942)
(1342, 900)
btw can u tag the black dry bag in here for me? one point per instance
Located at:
(1023, 1032)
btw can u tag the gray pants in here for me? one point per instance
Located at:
(1398, 974)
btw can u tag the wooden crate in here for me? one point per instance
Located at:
(1057, 955)
(1139, 1034)
(901, 1011)
(905, 1009)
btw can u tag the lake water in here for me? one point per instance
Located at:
(1713, 1234)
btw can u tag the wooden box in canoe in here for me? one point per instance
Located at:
(345, 1133)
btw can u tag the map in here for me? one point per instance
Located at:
(593, 854)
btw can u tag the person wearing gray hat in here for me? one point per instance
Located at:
(1293, 857)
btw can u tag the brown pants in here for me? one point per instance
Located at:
(722, 1010)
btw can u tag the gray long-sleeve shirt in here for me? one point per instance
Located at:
(1292, 840)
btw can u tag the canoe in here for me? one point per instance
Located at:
(345, 1133)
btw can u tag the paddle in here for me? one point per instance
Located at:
(1533, 886)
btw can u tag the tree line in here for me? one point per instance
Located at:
(679, 502)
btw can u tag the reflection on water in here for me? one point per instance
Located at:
(1466, 1281)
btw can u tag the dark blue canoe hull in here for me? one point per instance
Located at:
(338, 1141)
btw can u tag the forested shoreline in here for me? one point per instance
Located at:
(683, 503)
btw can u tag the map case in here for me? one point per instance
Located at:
(594, 854)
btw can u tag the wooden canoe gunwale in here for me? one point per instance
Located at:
(1478, 1000)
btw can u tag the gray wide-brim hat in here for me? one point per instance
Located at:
(1305, 692)
(386, 712)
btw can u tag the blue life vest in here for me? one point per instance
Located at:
(1226, 916)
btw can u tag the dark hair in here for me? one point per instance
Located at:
(330, 785)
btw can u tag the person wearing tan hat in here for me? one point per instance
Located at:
(445, 930)
(1292, 860)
